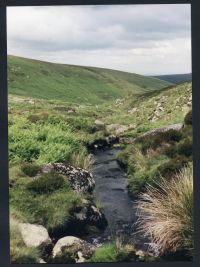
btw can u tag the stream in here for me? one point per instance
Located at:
(111, 192)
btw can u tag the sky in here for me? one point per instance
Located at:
(144, 39)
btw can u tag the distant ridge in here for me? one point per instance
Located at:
(175, 78)
(78, 84)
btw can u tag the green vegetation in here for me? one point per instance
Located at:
(42, 80)
(110, 253)
(159, 155)
(52, 114)
(166, 214)
(47, 183)
(42, 142)
(188, 118)
(30, 169)
(68, 255)
(39, 201)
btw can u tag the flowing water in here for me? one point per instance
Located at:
(111, 192)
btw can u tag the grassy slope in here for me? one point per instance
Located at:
(176, 78)
(32, 78)
(44, 127)
(174, 103)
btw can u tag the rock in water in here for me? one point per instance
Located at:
(80, 180)
(88, 214)
(76, 249)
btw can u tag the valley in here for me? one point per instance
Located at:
(79, 160)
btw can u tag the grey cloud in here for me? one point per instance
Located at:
(103, 27)
(98, 30)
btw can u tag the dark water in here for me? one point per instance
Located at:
(111, 191)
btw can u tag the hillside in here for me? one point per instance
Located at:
(43, 80)
(48, 131)
(175, 78)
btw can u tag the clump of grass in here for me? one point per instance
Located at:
(166, 213)
(82, 160)
(30, 169)
(106, 253)
(47, 183)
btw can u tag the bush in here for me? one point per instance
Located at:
(171, 136)
(30, 169)
(107, 253)
(33, 118)
(185, 148)
(174, 165)
(188, 118)
(166, 216)
(154, 141)
(171, 151)
(47, 183)
(52, 141)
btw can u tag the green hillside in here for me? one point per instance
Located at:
(33, 78)
(176, 78)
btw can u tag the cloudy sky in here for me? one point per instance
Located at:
(145, 39)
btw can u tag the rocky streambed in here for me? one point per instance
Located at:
(112, 194)
(108, 209)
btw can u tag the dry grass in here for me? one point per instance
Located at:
(140, 161)
(82, 161)
(166, 213)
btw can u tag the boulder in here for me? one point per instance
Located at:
(36, 236)
(99, 123)
(88, 214)
(75, 248)
(117, 128)
(133, 110)
(132, 126)
(80, 180)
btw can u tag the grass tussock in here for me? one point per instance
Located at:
(166, 213)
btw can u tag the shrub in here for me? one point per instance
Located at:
(33, 118)
(172, 166)
(185, 148)
(52, 141)
(46, 183)
(171, 135)
(166, 216)
(171, 151)
(106, 253)
(114, 252)
(30, 169)
(188, 118)
(154, 141)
